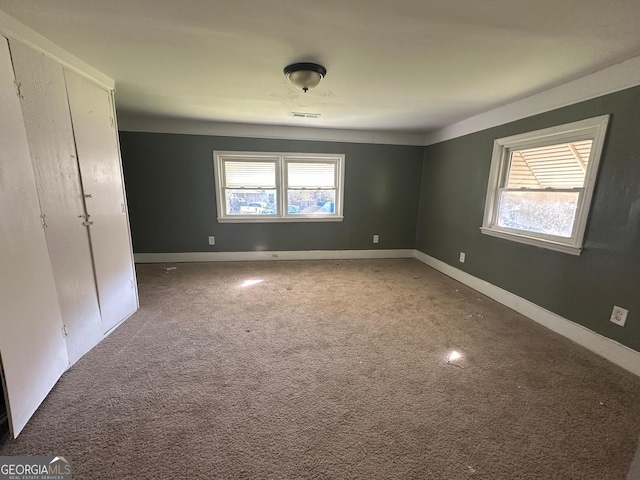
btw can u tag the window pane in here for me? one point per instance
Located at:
(555, 166)
(312, 174)
(251, 202)
(311, 202)
(250, 174)
(551, 213)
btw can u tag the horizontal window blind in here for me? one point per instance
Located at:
(250, 174)
(311, 175)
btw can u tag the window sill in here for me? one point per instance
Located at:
(536, 242)
(296, 219)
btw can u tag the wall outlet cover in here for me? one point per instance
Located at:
(619, 316)
(462, 257)
(376, 238)
(212, 240)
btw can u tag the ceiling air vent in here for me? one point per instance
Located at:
(305, 115)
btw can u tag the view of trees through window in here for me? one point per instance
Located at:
(311, 201)
(251, 202)
(542, 188)
(264, 202)
(541, 184)
(551, 213)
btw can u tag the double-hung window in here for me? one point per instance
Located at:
(541, 184)
(279, 187)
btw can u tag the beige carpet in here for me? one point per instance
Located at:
(334, 370)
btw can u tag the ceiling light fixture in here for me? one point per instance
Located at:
(305, 75)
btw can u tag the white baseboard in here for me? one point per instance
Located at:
(270, 255)
(613, 351)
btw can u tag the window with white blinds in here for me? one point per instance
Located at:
(267, 187)
(311, 187)
(250, 174)
(541, 184)
(311, 174)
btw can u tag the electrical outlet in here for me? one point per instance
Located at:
(376, 238)
(619, 315)
(212, 240)
(462, 257)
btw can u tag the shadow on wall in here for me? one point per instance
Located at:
(619, 237)
(4, 422)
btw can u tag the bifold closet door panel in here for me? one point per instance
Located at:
(101, 175)
(32, 348)
(48, 122)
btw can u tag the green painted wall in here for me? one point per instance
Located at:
(172, 201)
(580, 288)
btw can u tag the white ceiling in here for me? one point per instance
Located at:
(408, 65)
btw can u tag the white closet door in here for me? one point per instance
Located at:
(98, 155)
(32, 348)
(48, 122)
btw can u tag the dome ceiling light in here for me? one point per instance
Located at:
(305, 75)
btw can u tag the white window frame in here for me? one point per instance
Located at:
(590, 129)
(281, 160)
